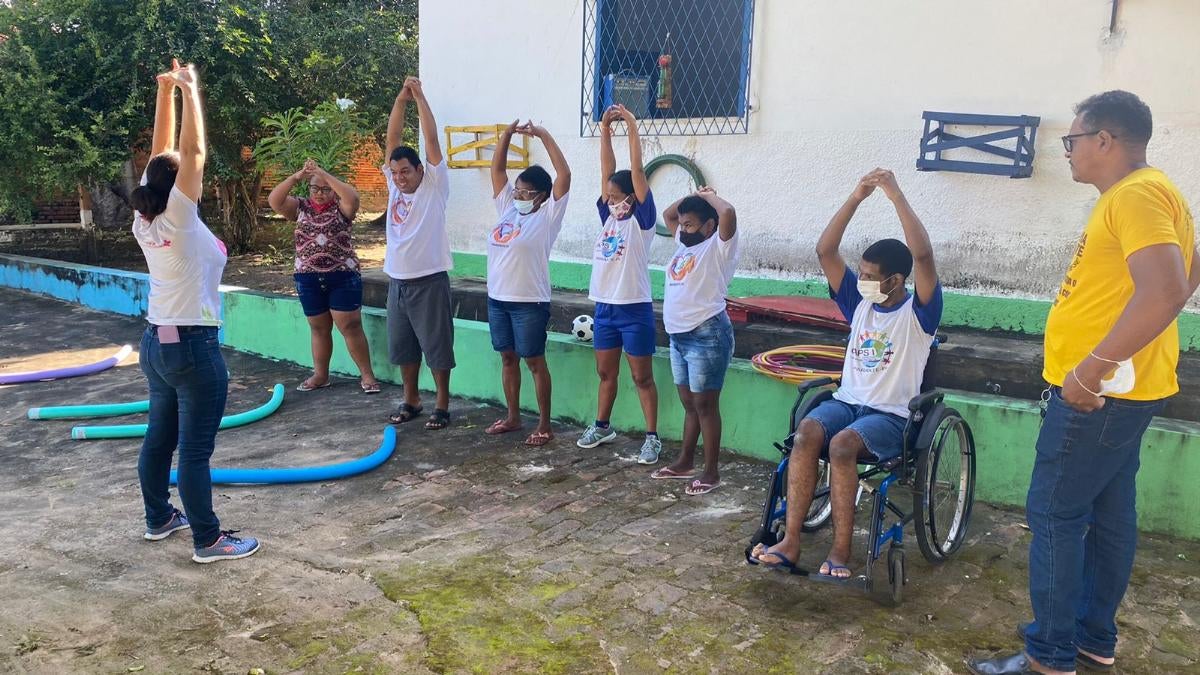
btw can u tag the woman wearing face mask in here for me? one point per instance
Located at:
(327, 273)
(698, 277)
(620, 286)
(518, 252)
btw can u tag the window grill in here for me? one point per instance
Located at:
(681, 66)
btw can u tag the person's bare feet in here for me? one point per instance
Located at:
(783, 553)
(835, 564)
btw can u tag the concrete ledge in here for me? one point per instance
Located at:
(755, 408)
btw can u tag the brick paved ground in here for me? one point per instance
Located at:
(464, 553)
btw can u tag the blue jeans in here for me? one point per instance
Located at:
(700, 357)
(188, 385)
(1082, 512)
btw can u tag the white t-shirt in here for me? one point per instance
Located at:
(621, 256)
(888, 349)
(185, 261)
(697, 280)
(518, 249)
(417, 242)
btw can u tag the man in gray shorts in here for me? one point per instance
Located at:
(417, 260)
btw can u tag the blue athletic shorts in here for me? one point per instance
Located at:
(624, 326)
(883, 433)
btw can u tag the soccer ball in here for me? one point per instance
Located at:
(581, 328)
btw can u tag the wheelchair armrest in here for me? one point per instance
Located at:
(814, 384)
(925, 400)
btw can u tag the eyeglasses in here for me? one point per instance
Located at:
(1069, 139)
(320, 189)
(525, 193)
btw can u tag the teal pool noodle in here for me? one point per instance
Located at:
(139, 430)
(84, 411)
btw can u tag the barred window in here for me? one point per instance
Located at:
(681, 66)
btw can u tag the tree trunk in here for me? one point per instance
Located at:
(90, 253)
(238, 200)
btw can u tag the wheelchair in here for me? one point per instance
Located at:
(937, 463)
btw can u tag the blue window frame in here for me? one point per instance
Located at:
(708, 43)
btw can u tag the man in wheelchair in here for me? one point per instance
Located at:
(891, 332)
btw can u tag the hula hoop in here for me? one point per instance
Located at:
(86, 411)
(800, 363)
(63, 373)
(306, 474)
(139, 430)
(682, 162)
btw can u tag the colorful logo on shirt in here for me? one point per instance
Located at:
(399, 211)
(611, 245)
(874, 351)
(505, 232)
(681, 265)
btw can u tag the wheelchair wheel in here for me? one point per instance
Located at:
(820, 510)
(945, 487)
(896, 574)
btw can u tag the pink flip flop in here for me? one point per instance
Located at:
(666, 473)
(701, 488)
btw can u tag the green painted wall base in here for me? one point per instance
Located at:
(980, 312)
(755, 408)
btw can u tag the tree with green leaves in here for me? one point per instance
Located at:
(77, 76)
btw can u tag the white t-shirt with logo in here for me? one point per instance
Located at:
(888, 348)
(518, 249)
(697, 281)
(621, 256)
(185, 260)
(417, 242)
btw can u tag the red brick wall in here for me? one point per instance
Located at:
(364, 176)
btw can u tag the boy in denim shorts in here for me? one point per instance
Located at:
(891, 332)
(698, 276)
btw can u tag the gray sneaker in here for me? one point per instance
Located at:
(593, 436)
(226, 547)
(651, 449)
(177, 522)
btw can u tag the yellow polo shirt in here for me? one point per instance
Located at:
(1143, 209)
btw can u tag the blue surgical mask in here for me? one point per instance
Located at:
(524, 206)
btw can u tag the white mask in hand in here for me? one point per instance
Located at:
(1121, 381)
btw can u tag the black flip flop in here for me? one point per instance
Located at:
(405, 413)
(440, 419)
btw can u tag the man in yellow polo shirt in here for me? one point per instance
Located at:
(1111, 346)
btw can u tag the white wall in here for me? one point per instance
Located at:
(838, 88)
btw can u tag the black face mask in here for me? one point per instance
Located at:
(691, 238)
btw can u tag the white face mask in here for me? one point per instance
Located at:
(1121, 381)
(870, 291)
(524, 206)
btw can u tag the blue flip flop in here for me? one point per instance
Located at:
(832, 567)
(784, 562)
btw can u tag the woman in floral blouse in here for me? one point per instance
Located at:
(327, 274)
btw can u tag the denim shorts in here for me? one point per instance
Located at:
(881, 432)
(700, 357)
(628, 326)
(518, 327)
(322, 291)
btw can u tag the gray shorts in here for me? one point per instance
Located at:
(419, 321)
